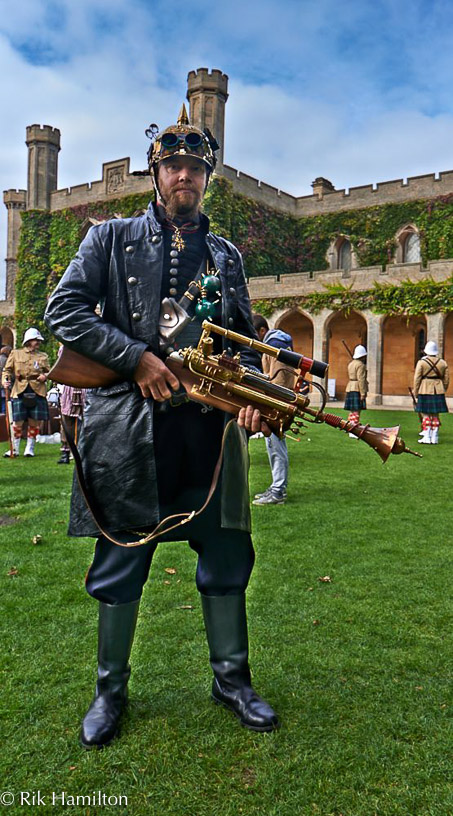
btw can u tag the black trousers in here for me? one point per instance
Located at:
(187, 446)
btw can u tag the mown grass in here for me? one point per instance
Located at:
(358, 667)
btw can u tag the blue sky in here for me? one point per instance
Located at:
(356, 91)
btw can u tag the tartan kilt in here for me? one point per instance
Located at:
(353, 402)
(431, 404)
(21, 413)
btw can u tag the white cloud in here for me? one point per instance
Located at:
(356, 92)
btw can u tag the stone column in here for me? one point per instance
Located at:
(374, 356)
(320, 348)
(435, 326)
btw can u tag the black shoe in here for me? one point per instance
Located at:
(226, 628)
(101, 722)
(64, 458)
(252, 711)
(116, 634)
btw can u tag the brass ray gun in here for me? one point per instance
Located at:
(221, 381)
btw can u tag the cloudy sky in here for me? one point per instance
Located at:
(358, 91)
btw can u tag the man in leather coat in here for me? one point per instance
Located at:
(142, 443)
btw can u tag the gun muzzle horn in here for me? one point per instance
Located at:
(384, 441)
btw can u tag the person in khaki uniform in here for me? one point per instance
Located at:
(28, 367)
(357, 387)
(279, 374)
(431, 380)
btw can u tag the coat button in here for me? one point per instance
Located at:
(232, 291)
(230, 262)
(230, 321)
(136, 316)
(129, 248)
(156, 239)
(132, 281)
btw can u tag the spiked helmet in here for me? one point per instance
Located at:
(182, 139)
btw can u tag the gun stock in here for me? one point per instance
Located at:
(79, 371)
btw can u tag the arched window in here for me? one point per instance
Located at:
(345, 256)
(411, 248)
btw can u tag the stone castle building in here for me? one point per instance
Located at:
(394, 341)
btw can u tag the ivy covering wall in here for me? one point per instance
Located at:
(271, 242)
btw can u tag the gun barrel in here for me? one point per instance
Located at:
(316, 367)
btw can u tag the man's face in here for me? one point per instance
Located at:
(34, 345)
(182, 182)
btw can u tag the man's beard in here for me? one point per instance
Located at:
(176, 208)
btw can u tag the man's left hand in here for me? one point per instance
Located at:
(250, 419)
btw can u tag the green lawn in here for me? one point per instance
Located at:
(358, 667)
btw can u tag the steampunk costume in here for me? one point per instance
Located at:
(28, 368)
(156, 457)
(357, 387)
(431, 380)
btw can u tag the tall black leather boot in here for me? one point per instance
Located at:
(226, 628)
(116, 634)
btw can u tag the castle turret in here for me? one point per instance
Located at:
(207, 93)
(15, 203)
(43, 144)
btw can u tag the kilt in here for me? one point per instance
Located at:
(353, 401)
(431, 404)
(21, 413)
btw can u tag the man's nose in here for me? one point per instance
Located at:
(184, 173)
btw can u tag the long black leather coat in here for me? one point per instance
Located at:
(119, 266)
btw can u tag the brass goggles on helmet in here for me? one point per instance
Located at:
(182, 142)
(171, 140)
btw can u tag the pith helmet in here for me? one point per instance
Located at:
(182, 139)
(359, 351)
(431, 348)
(32, 334)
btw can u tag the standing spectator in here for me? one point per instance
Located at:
(280, 374)
(29, 367)
(357, 387)
(5, 351)
(431, 380)
(72, 401)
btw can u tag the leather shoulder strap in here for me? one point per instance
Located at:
(167, 524)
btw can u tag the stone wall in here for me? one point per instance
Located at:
(304, 283)
(116, 181)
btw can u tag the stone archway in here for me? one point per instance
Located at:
(401, 341)
(351, 328)
(300, 327)
(7, 336)
(448, 347)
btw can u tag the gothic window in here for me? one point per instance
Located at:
(345, 256)
(408, 245)
(411, 248)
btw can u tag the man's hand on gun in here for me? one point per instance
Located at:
(155, 380)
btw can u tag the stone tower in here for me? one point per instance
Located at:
(15, 203)
(207, 93)
(43, 144)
